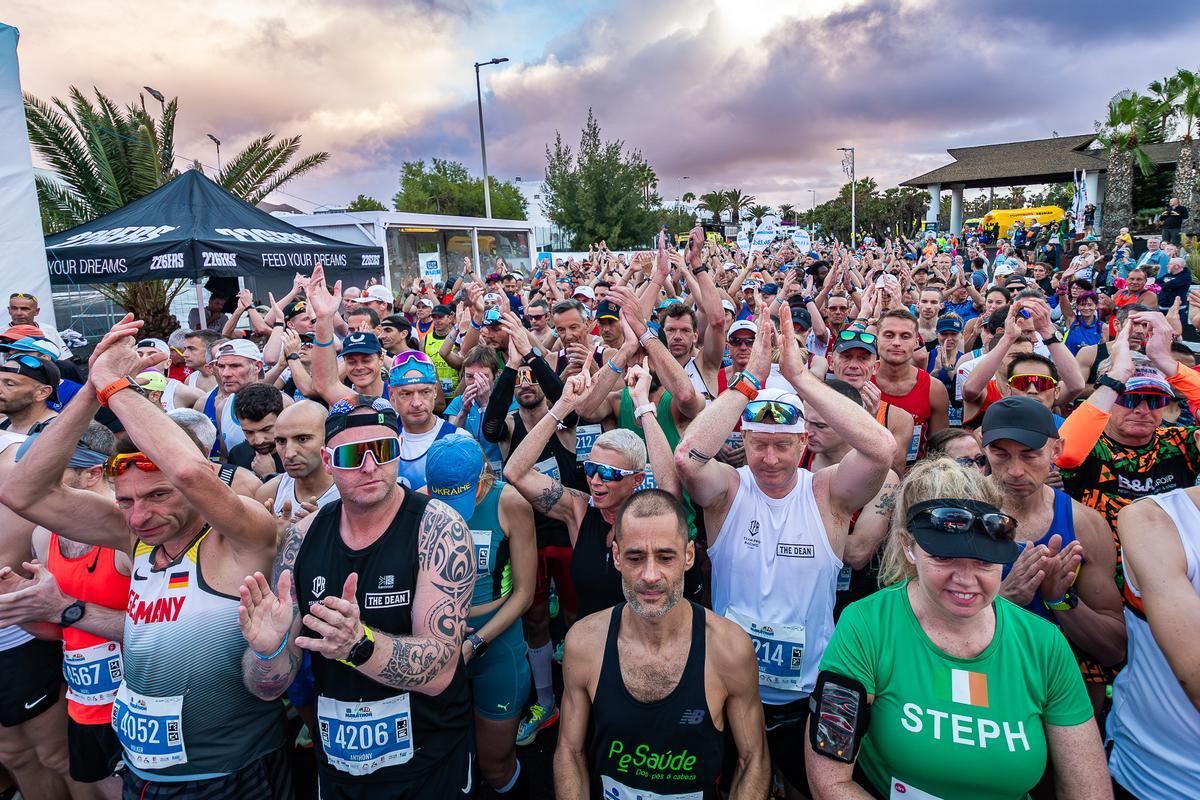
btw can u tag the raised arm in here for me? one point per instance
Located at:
(975, 386)
(548, 495)
(686, 401)
(324, 359)
(657, 449)
(1060, 354)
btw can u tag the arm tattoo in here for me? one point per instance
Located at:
(696, 455)
(446, 556)
(269, 679)
(887, 500)
(549, 497)
(285, 558)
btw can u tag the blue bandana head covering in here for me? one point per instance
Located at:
(412, 368)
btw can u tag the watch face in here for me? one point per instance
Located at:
(72, 614)
(361, 652)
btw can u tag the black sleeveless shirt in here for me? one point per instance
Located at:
(669, 746)
(597, 582)
(551, 532)
(387, 579)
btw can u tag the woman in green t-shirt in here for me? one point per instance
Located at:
(968, 693)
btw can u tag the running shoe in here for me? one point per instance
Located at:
(539, 717)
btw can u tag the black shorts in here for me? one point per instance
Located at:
(454, 778)
(786, 727)
(95, 751)
(30, 680)
(268, 778)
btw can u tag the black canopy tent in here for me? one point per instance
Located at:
(192, 228)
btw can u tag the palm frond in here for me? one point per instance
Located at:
(302, 166)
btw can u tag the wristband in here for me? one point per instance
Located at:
(323, 344)
(278, 650)
(292, 356)
(124, 382)
(1067, 602)
(645, 408)
(646, 337)
(476, 327)
(558, 423)
(755, 382)
(614, 367)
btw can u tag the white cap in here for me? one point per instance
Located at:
(730, 266)
(748, 284)
(1004, 270)
(378, 292)
(728, 306)
(425, 301)
(239, 347)
(492, 298)
(742, 325)
(586, 291)
(157, 344)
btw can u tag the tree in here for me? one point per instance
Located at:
(1125, 128)
(738, 203)
(598, 192)
(675, 219)
(688, 197)
(446, 187)
(365, 203)
(786, 214)
(1185, 169)
(715, 203)
(649, 184)
(757, 213)
(105, 156)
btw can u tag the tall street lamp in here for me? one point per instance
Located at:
(813, 193)
(487, 192)
(848, 168)
(217, 142)
(157, 95)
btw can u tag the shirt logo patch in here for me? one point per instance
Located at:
(692, 716)
(386, 599)
(790, 550)
(387, 581)
(754, 527)
(318, 586)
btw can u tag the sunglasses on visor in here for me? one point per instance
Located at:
(857, 336)
(33, 362)
(607, 474)
(954, 519)
(352, 454)
(772, 412)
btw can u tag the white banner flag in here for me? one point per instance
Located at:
(802, 241)
(763, 236)
(743, 242)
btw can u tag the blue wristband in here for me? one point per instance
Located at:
(614, 367)
(282, 645)
(755, 382)
(323, 344)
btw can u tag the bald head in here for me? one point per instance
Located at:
(299, 437)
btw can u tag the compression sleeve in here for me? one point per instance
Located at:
(1079, 433)
(493, 426)
(1186, 381)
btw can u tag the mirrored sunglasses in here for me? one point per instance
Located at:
(1039, 383)
(1153, 401)
(352, 454)
(772, 412)
(607, 473)
(118, 464)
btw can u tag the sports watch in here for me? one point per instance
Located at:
(362, 650)
(72, 614)
(126, 382)
(744, 383)
(479, 645)
(534, 352)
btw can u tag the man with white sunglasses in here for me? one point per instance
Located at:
(777, 533)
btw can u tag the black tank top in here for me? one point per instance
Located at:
(551, 532)
(670, 746)
(597, 582)
(387, 579)
(1101, 357)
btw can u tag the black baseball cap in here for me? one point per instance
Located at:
(442, 311)
(397, 321)
(606, 309)
(801, 318)
(44, 372)
(857, 342)
(294, 309)
(361, 342)
(1021, 419)
(339, 418)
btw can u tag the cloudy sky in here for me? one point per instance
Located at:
(755, 94)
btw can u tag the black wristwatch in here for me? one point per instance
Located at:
(292, 356)
(362, 650)
(533, 353)
(479, 645)
(1112, 383)
(1053, 338)
(72, 614)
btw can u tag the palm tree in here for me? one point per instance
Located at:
(787, 213)
(738, 202)
(688, 197)
(105, 157)
(715, 203)
(1164, 94)
(1185, 168)
(757, 213)
(1130, 115)
(649, 181)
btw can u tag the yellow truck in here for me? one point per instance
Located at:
(1007, 217)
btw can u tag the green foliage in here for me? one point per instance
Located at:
(715, 203)
(365, 203)
(757, 213)
(676, 219)
(882, 215)
(446, 187)
(738, 203)
(787, 213)
(601, 191)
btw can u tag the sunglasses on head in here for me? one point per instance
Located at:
(772, 412)
(21, 296)
(1152, 401)
(33, 362)
(857, 336)
(1039, 383)
(955, 519)
(978, 461)
(607, 473)
(118, 464)
(352, 454)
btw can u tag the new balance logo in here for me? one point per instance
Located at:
(692, 716)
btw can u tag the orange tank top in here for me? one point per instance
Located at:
(92, 665)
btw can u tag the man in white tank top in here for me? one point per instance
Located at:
(1154, 725)
(304, 485)
(777, 533)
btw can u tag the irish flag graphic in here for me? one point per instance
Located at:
(965, 687)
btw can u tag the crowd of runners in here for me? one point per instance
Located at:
(906, 519)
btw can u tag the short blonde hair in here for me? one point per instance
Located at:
(929, 479)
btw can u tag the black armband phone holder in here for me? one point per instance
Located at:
(840, 715)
